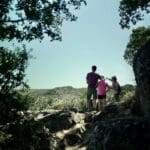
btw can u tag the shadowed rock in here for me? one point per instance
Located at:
(141, 67)
(121, 134)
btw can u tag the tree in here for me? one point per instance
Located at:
(12, 73)
(132, 11)
(26, 20)
(33, 19)
(12, 68)
(138, 38)
(137, 51)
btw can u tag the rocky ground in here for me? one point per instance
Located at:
(113, 129)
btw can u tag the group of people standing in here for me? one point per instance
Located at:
(97, 89)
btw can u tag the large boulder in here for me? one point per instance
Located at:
(141, 67)
(120, 134)
(58, 121)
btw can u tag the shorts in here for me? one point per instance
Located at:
(101, 97)
(91, 92)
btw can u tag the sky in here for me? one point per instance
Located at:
(94, 39)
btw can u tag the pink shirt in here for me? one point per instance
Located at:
(101, 88)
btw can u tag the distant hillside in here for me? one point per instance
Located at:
(66, 97)
(57, 98)
(57, 91)
(69, 90)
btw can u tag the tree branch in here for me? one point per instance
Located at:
(14, 21)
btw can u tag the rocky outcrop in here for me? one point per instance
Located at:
(113, 129)
(120, 134)
(47, 130)
(141, 67)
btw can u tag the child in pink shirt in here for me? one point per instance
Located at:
(102, 87)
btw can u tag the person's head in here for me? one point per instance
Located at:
(102, 78)
(94, 68)
(114, 78)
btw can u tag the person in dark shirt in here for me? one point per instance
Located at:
(92, 80)
(116, 87)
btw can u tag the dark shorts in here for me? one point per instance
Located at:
(91, 93)
(101, 96)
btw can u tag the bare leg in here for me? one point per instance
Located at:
(99, 105)
(104, 103)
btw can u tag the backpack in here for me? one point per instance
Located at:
(119, 89)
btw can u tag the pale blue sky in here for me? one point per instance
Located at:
(94, 39)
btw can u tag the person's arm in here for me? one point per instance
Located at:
(108, 79)
(87, 79)
(118, 88)
(110, 87)
(97, 84)
(107, 87)
(99, 76)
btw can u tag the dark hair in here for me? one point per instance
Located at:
(94, 68)
(114, 78)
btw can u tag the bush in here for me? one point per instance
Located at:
(12, 73)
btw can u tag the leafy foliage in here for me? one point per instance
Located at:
(138, 38)
(32, 19)
(26, 20)
(66, 98)
(12, 68)
(25, 134)
(132, 11)
(12, 72)
(141, 68)
(57, 98)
